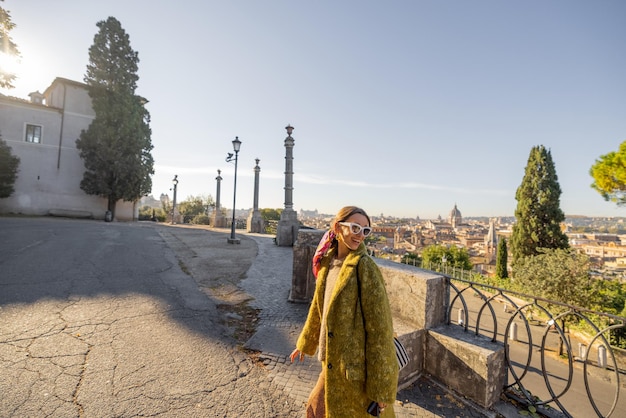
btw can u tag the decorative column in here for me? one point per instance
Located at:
(219, 220)
(287, 230)
(174, 211)
(255, 220)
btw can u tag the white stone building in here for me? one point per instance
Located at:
(42, 132)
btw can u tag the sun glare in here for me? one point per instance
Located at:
(30, 75)
(9, 63)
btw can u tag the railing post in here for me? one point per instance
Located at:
(513, 332)
(461, 316)
(582, 351)
(602, 357)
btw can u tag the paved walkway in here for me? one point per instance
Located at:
(268, 282)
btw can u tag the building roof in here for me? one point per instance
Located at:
(67, 81)
(22, 101)
(455, 212)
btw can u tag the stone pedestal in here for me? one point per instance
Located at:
(218, 220)
(303, 280)
(287, 230)
(233, 240)
(255, 222)
(470, 364)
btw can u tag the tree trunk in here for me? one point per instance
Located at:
(111, 206)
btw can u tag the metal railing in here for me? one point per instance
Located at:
(544, 370)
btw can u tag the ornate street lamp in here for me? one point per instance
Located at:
(175, 185)
(229, 158)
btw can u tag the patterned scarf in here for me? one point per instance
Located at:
(322, 249)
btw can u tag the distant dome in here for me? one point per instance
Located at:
(455, 213)
(455, 217)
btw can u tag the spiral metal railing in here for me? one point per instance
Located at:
(545, 372)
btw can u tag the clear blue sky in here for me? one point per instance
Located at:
(402, 107)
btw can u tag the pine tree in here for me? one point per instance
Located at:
(502, 260)
(609, 175)
(8, 169)
(116, 147)
(8, 49)
(538, 213)
(558, 274)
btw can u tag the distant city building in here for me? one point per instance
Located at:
(455, 217)
(491, 241)
(150, 201)
(305, 214)
(384, 231)
(480, 236)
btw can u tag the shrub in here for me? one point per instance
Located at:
(201, 220)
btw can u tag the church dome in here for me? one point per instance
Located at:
(455, 216)
(455, 212)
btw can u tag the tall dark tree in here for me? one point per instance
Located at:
(8, 169)
(502, 260)
(116, 148)
(8, 49)
(538, 213)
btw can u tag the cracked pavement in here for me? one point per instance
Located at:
(99, 320)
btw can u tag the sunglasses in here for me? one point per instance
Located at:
(356, 229)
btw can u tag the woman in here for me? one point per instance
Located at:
(349, 323)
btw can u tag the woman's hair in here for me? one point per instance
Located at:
(329, 239)
(347, 211)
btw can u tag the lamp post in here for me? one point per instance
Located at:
(175, 183)
(229, 158)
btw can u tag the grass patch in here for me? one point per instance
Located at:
(243, 320)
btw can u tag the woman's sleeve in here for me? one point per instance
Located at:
(308, 340)
(380, 355)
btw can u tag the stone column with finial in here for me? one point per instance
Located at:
(287, 230)
(255, 220)
(219, 220)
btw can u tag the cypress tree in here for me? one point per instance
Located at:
(9, 164)
(116, 147)
(502, 260)
(538, 213)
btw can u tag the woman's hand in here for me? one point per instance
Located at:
(382, 406)
(296, 353)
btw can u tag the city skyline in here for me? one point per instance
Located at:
(403, 108)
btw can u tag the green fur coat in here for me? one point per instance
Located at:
(361, 364)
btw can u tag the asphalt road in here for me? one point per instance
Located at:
(99, 320)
